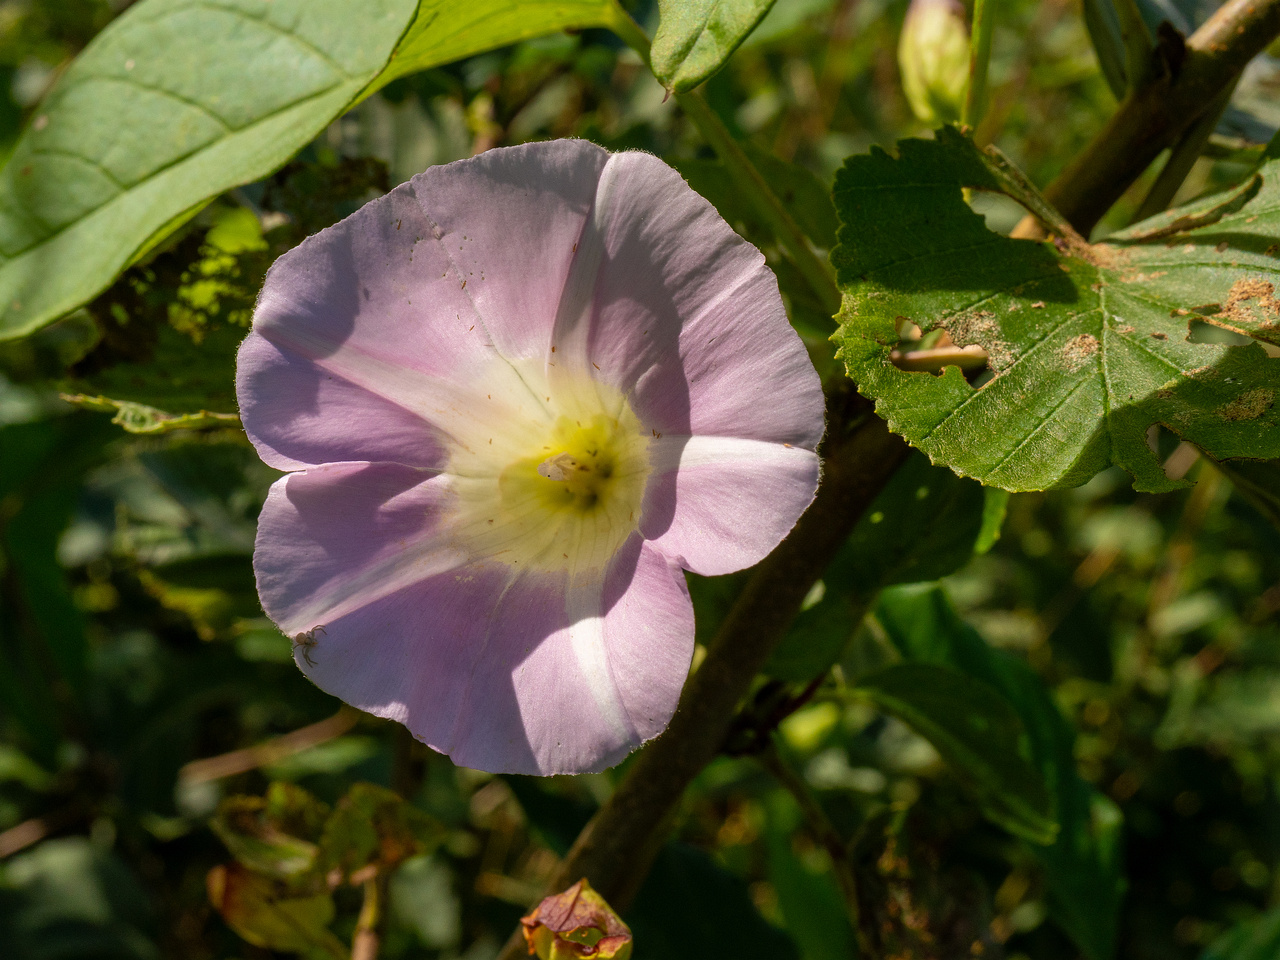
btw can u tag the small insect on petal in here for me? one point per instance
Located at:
(307, 640)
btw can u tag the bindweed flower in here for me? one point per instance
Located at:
(575, 925)
(516, 396)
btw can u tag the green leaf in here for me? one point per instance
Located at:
(266, 915)
(177, 101)
(810, 901)
(373, 825)
(1084, 866)
(696, 37)
(1088, 344)
(1256, 939)
(807, 198)
(978, 734)
(272, 835)
(924, 525)
(691, 906)
(445, 30)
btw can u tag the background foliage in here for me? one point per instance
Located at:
(1045, 722)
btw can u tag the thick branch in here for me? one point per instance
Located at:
(616, 849)
(1155, 115)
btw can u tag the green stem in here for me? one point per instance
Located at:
(975, 101)
(1183, 157)
(1138, 44)
(752, 184)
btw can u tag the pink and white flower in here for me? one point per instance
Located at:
(516, 396)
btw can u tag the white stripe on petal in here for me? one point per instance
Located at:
(584, 602)
(670, 453)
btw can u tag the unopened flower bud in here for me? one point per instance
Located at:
(576, 924)
(933, 56)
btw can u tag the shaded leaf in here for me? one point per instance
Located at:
(1256, 939)
(1087, 345)
(978, 733)
(696, 37)
(1258, 481)
(691, 906)
(275, 834)
(1084, 866)
(263, 913)
(373, 826)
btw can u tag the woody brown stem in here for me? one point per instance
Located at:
(1157, 113)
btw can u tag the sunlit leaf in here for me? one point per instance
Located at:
(179, 100)
(1087, 345)
(696, 37)
(445, 30)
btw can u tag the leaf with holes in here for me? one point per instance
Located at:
(1088, 345)
(179, 100)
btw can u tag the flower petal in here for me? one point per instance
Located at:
(337, 537)
(376, 301)
(683, 316)
(499, 672)
(515, 259)
(298, 416)
(719, 504)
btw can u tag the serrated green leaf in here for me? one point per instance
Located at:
(1088, 344)
(696, 37)
(179, 100)
(978, 734)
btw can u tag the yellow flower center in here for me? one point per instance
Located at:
(560, 486)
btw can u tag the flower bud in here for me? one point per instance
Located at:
(576, 924)
(933, 56)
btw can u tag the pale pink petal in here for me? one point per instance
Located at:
(719, 504)
(339, 536)
(680, 313)
(298, 415)
(516, 252)
(496, 670)
(594, 669)
(376, 301)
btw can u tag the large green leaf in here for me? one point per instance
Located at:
(978, 733)
(446, 30)
(179, 100)
(1084, 866)
(696, 37)
(1087, 343)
